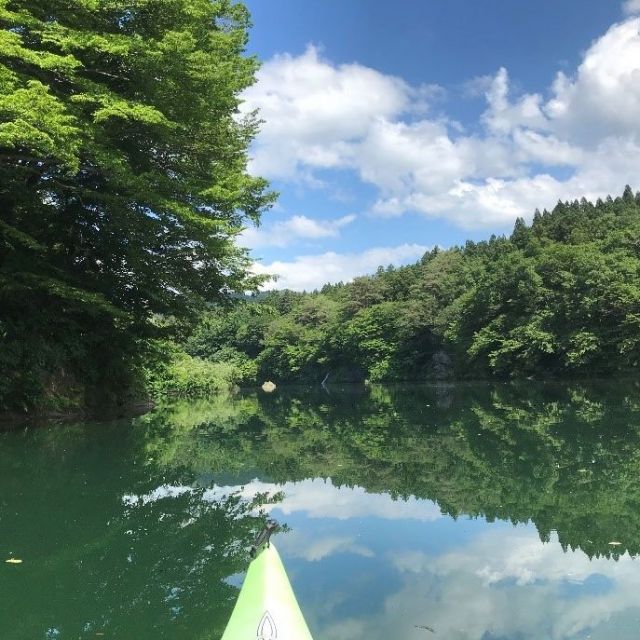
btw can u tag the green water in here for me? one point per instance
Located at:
(481, 512)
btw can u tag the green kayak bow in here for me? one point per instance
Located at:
(266, 608)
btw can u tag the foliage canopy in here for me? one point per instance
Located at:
(559, 298)
(122, 171)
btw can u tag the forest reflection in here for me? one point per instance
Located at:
(141, 527)
(566, 458)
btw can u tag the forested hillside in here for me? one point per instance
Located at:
(560, 297)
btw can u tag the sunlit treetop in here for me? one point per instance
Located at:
(122, 155)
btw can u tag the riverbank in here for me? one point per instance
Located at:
(445, 391)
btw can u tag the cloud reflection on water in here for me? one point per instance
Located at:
(501, 583)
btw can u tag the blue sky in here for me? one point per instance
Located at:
(391, 128)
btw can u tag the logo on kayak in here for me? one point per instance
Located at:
(267, 628)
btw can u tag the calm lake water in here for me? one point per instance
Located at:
(475, 512)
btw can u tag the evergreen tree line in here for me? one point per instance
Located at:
(558, 298)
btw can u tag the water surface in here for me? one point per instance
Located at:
(460, 512)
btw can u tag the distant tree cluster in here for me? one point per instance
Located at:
(559, 297)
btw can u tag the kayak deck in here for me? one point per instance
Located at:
(267, 608)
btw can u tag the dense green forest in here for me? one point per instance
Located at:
(559, 297)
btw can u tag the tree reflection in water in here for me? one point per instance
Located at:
(124, 528)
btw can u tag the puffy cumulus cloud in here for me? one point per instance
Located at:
(320, 115)
(401, 157)
(493, 202)
(312, 110)
(531, 146)
(284, 233)
(309, 272)
(496, 202)
(503, 116)
(603, 98)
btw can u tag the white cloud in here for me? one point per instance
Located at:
(496, 202)
(505, 583)
(502, 116)
(310, 272)
(313, 549)
(312, 110)
(631, 7)
(546, 149)
(315, 498)
(603, 99)
(319, 115)
(282, 234)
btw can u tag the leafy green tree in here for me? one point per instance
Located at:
(123, 173)
(240, 328)
(520, 235)
(292, 352)
(371, 338)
